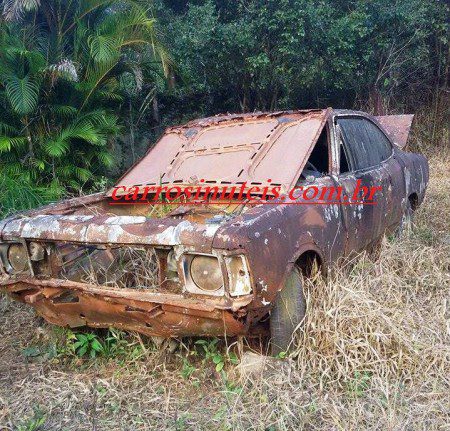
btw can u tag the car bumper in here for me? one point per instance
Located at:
(73, 304)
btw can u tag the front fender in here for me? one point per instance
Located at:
(273, 237)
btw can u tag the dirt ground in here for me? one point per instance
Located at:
(374, 353)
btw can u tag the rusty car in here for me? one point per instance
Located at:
(216, 270)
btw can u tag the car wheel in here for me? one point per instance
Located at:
(287, 313)
(406, 222)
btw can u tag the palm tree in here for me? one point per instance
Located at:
(65, 68)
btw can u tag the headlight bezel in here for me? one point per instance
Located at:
(239, 276)
(225, 262)
(4, 264)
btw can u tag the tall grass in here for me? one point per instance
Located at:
(20, 194)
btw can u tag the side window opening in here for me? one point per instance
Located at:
(317, 164)
(378, 141)
(365, 144)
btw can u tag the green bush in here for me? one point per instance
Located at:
(64, 78)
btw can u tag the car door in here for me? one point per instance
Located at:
(361, 170)
(392, 181)
(321, 222)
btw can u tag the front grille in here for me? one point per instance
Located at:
(125, 268)
(118, 267)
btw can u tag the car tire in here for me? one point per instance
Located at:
(288, 312)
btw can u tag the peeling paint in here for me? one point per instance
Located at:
(171, 235)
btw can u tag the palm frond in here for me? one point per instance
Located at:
(82, 174)
(57, 147)
(87, 132)
(83, 129)
(22, 94)
(18, 56)
(13, 169)
(88, 6)
(18, 192)
(105, 121)
(6, 143)
(71, 171)
(95, 75)
(38, 164)
(7, 128)
(62, 111)
(104, 48)
(106, 95)
(13, 10)
(105, 158)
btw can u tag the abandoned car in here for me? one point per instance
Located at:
(217, 268)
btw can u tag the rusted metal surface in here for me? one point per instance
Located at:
(397, 127)
(252, 245)
(162, 314)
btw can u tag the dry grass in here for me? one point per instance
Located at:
(388, 317)
(374, 354)
(138, 269)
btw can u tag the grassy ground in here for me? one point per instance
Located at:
(374, 354)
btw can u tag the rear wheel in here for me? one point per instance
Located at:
(287, 313)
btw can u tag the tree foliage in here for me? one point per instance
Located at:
(273, 54)
(65, 68)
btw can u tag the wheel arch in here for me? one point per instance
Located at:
(413, 199)
(306, 262)
(305, 257)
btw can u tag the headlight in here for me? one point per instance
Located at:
(18, 257)
(205, 273)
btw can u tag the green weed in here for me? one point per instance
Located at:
(34, 423)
